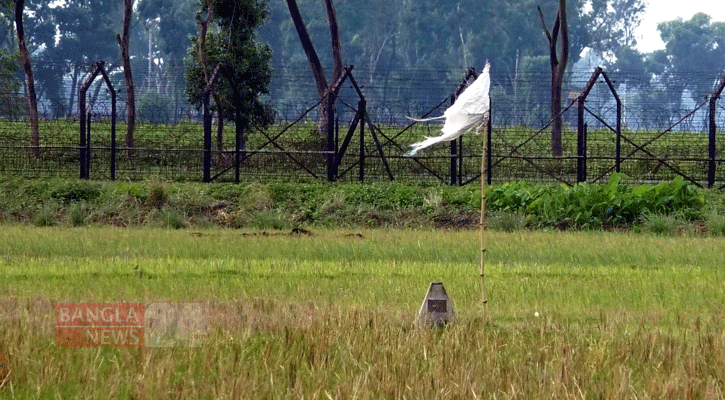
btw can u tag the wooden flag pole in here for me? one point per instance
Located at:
(483, 219)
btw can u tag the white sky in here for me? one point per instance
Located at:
(648, 38)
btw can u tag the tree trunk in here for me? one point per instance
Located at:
(29, 80)
(335, 40)
(558, 70)
(315, 65)
(73, 88)
(123, 40)
(308, 47)
(203, 58)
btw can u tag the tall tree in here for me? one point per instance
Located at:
(29, 79)
(169, 25)
(123, 40)
(73, 35)
(228, 33)
(558, 58)
(12, 104)
(203, 55)
(323, 87)
(611, 24)
(695, 57)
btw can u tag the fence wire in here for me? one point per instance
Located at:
(659, 142)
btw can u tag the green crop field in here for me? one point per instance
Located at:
(331, 314)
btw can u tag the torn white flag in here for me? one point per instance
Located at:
(469, 111)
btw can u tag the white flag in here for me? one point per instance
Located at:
(468, 112)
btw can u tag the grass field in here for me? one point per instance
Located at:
(332, 314)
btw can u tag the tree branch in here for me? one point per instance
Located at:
(335, 39)
(308, 47)
(543, 24)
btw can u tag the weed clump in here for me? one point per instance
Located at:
(157, 194)
(172, 218)
(78, 214)
(662, 224)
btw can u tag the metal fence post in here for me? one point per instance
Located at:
(88, 146)
(581, 173)
(712, 130)
(453, 154)
(113, 134)
(207, 139)
(362, 110)
(331, 148)
(82, 142)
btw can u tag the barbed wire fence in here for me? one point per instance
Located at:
(658, 141)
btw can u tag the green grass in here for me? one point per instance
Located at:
(331, 315)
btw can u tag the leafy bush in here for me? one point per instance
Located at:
(594, 206)
(510, 206)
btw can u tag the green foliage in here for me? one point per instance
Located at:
(509, 206)
(175, 25)
(12, 104)
(72, 34)
(68, 192)
(594, 206)
(234, 43)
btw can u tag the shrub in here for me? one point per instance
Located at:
(592, 205)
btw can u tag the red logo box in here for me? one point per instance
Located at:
(99, 324)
